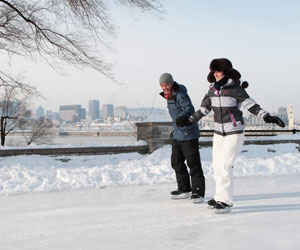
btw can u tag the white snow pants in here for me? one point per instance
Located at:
(225, 150)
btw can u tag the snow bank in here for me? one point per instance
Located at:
(26, 174)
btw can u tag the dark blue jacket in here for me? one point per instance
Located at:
(180, 105)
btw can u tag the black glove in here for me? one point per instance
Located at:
(274, 119)
(183, 121)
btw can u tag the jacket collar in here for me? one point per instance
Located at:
(230, 82)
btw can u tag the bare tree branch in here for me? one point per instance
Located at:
(38, 131)
(73, 31)
(14, 99)
(76, 32)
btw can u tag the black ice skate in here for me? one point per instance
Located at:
(222, 207)
(179, 194)
(196, 197)
(211, 204)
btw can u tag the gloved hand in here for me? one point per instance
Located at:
(183, 121)
(274, 119)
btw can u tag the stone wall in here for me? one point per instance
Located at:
(156, 134)
(75, 151)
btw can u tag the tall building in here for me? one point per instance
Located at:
(107, 111)
(94, 109)
(71, 113)
(291, 117)
(40, 112)
(283, 114)
(55, 116)
(121, 112)
(49, 114)
(83, 114)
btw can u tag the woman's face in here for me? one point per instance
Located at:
(218, 75)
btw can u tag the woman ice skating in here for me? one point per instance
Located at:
(225, 97)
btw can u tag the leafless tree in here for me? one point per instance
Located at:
(36, 130)
(76, 32)
(14, 99)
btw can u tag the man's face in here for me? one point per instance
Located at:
(166, 87)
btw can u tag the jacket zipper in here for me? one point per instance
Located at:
(218, 94)
(232, 119)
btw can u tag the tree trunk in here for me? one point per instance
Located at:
(2, 131)
(2, 139)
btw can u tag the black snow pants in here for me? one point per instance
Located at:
(189, 151)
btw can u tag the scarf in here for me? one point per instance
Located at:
(220, 83)
(168, 95)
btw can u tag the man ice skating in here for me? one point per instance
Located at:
(185, 142)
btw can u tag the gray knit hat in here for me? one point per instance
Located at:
(166, 78)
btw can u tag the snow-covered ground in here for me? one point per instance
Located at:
(25, 174)
(122, 202)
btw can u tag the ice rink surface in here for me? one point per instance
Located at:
(266, 215)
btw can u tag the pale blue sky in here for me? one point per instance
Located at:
(261, 38)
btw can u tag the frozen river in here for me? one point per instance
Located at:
(77, 140)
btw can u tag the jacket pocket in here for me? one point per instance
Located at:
(186, 130)
(232, 119)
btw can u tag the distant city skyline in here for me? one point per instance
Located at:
(110, 115)
(109, 110)
(279, 110)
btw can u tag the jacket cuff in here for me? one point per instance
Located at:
(192, 119)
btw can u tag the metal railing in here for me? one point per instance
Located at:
(254, 132)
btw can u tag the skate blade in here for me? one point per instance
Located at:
(223, 211)
(198, 200)
(210, 207)
(181, 196)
